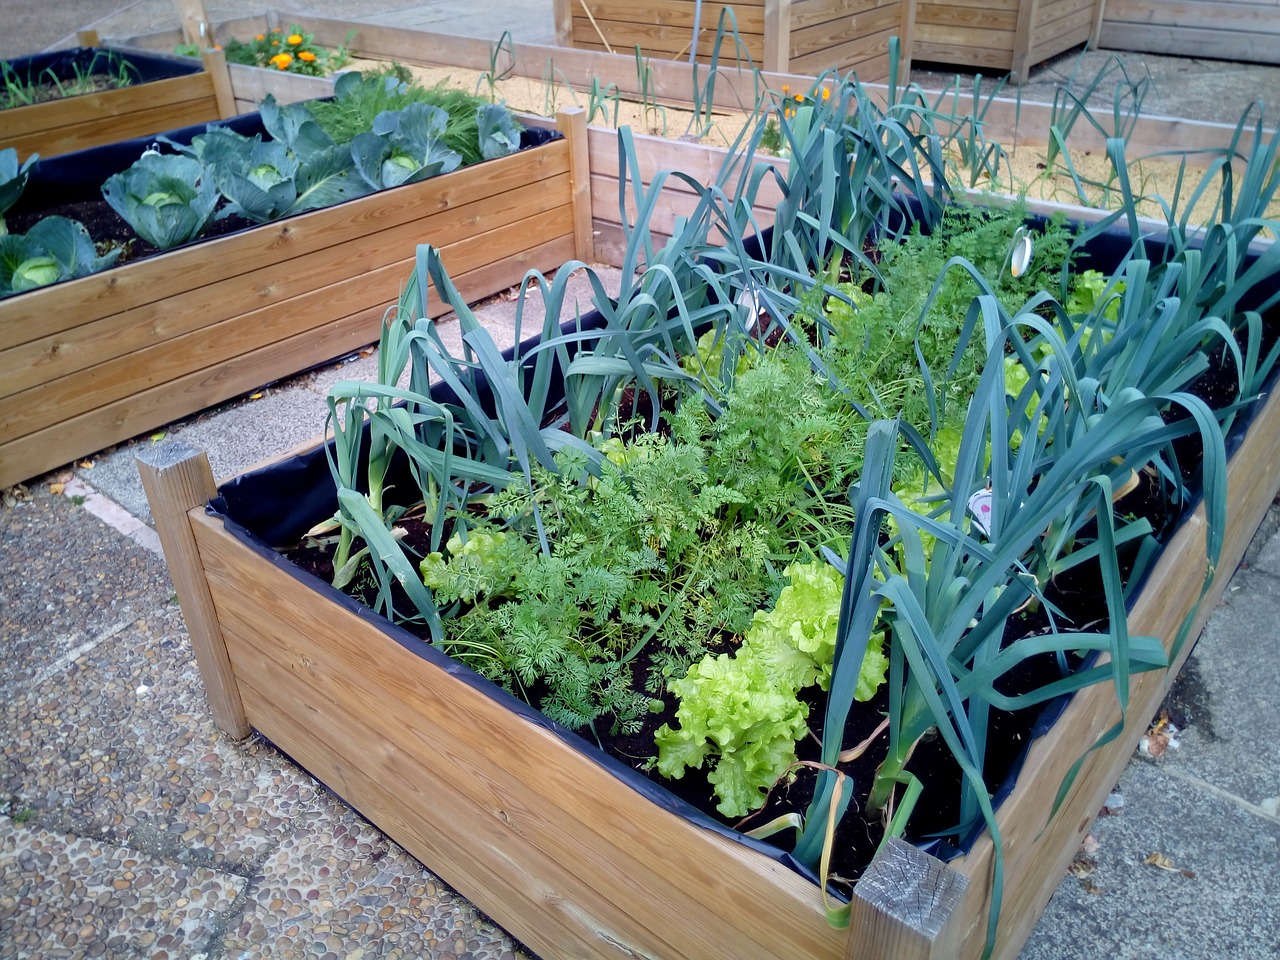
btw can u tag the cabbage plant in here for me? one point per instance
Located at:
(13, 180)
(166, 198)
(54, 249)
(405, 146)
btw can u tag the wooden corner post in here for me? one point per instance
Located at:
(215, 64)
(905, 907)
(177, 478)
(572, 122)
(196, 27)
(777, 36)
(906, 40)
(562, 11)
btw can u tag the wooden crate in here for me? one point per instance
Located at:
(90, 362)
(90, 120)
(451, 768)
(1001, 35)
(784, 36)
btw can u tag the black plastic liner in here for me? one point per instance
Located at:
(277, 504)
(65, 65)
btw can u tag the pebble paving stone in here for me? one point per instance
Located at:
(337, 882)
(68, 896)
(54, 605)
(132, 827)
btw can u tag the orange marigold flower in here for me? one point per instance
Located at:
(282, 61)
(799, 98)
(785, 89)
(260, 36)
(275, 43)
(306, 55)
(295, 38)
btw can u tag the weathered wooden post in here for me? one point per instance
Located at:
(177, 478)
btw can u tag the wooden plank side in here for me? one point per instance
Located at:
(438, 791)
(419, 809)
(122, 335)
(1177, 41)
(938, 15)
(108, 105)
(653, 154)
(867, 55)
(670, 43)
(976, 38)
(97, 133)
(375, 285)
(678, 14)
(254, 83)
(42, 312)
(850, 34)
(1204, 14)
(1034, 862)
(508, 764)
(937, 50)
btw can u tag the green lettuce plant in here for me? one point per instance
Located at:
(740, 713)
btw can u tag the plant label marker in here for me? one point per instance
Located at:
(980, 510)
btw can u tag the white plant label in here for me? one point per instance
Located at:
(980, 510)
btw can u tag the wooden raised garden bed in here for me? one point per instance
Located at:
(97, 360)
(473, 784)
(169, 92)
(786, 36)
(1012, 35)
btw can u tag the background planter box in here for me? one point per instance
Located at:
(94, 361)
(169, 92)
(796, 36)
(1012, 35)
(473, 783)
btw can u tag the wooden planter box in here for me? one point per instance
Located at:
(804, 37)
(94, 361)
(1003, 35)
(172, 92)
(474, 784)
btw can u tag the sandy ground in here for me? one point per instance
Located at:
(1021, 171)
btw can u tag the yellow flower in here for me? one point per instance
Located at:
(282, 61)
(295, 38)
(799, 98)
(786, 90)
(826, 93)
(306, 55)
(260, 36)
